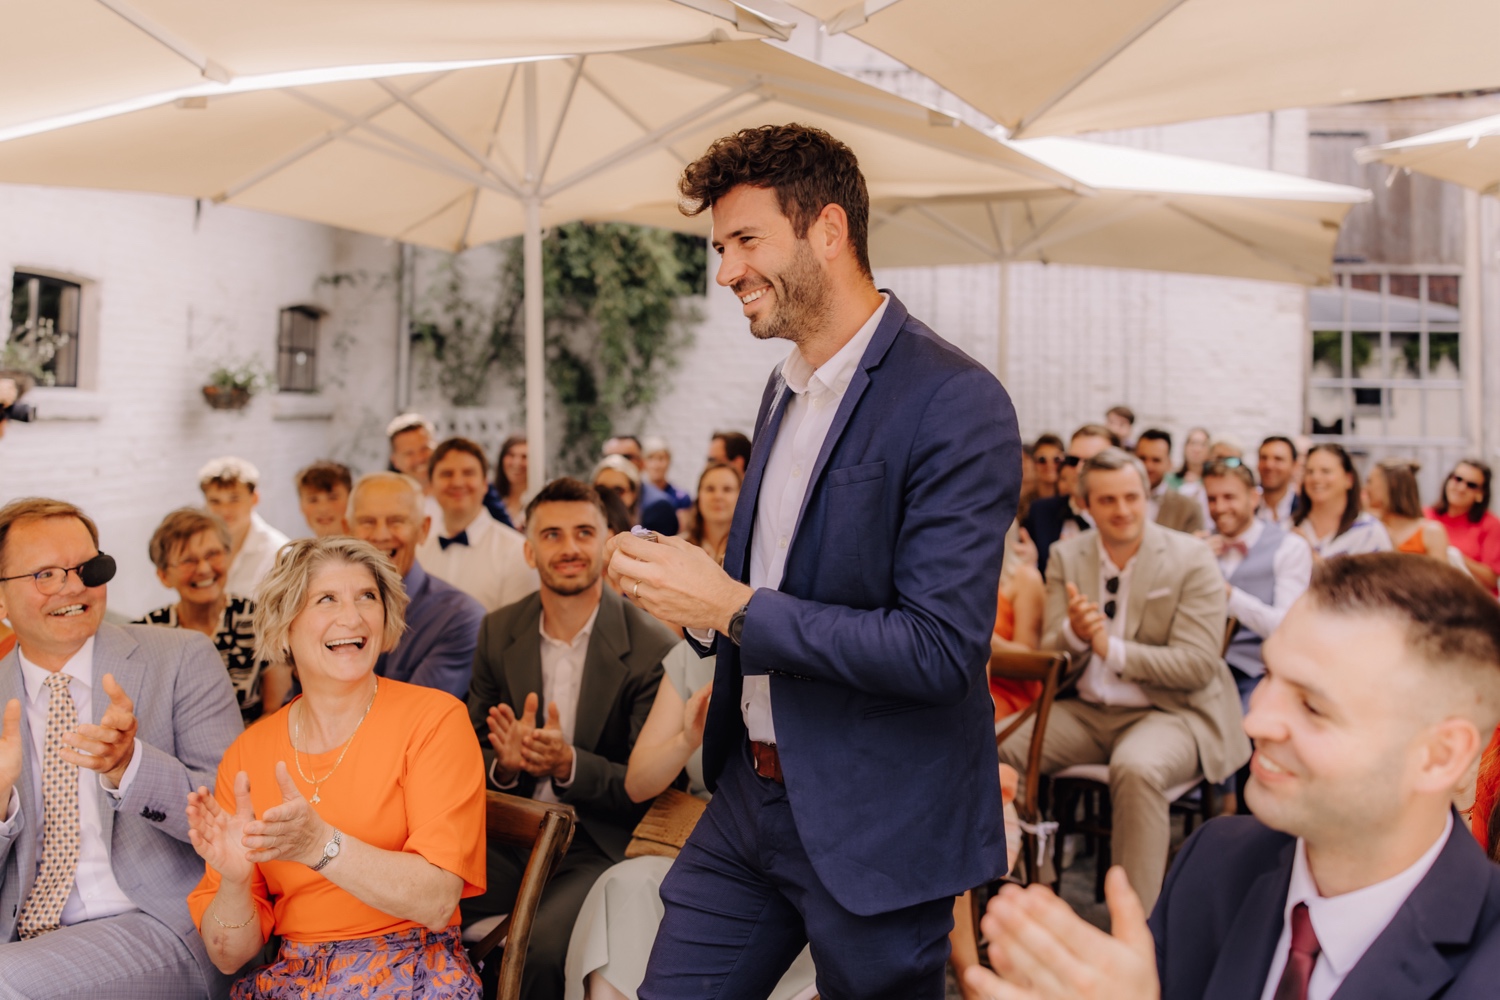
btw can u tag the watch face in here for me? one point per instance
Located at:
(331, 849)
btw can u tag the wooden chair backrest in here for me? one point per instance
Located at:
(545, 829)
(1231, 625)
(1049, 668)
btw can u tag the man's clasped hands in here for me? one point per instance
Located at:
(521, 745)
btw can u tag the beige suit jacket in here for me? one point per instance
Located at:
(1180, 513)
(1174, 631)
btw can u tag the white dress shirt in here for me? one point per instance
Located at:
(562, 679)
(256, 557)
(1366, 534)
(1101, 682)
(1346, 925)
(95, 893)
(1292, 566)
(1281, 514)
(491, 568)
(783, 487)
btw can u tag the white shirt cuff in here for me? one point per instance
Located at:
(1116, 659)
(703, 635)
(12, 815)
(572, 772)
(1076, 644)
(127, 777)
(506, 785)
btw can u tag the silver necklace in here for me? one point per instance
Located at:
(297, 751)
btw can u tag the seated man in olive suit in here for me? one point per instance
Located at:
(107, 728)
(563, 681)
(1141, 607)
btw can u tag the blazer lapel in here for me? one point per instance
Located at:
(1250, 942)
(1142, 578)
(112, 655)
(603, 671)
(737, 551)
(523, 663)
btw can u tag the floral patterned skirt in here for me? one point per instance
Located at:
(410, 963)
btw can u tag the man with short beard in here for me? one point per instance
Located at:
(442, 622)
(1278, 472)
(563, 682)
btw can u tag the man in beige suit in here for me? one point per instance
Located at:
(1141, 609)
(1164, 505)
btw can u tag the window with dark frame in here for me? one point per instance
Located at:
(297, 349)
(43, 337)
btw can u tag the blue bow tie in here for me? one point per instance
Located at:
(462, 538)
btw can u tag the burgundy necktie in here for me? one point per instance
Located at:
(1300, 959)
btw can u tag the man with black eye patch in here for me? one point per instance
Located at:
(106, 729)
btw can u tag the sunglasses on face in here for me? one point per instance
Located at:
(1112, 586)
(1071, 461)
(1456, 478)
(1048, 460)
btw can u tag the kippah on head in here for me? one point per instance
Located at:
(229, 470)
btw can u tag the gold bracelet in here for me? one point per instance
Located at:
(235, 927)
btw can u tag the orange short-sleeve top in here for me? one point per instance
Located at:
(412, 780)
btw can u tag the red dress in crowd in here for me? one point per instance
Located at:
(1486, 792)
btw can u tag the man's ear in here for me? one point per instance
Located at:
(424, 529)
(832, 227)
(530, 553)
(1451, 748)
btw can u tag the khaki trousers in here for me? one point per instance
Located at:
(1148, 751)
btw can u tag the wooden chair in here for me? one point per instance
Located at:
(546, 829)
(1086, 786)
(1049, 668)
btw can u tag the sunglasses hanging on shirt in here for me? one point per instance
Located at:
(1112, 586)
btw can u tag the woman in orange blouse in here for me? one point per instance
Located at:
(351, 821)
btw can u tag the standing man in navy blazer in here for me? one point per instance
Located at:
(849, 734)
(1355, 879)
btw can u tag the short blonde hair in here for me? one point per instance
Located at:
(281, 595)
(180, 527)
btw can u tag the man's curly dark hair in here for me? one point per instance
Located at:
(806, 167)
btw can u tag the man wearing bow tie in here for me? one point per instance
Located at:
(1056, 519)
(1265, 568)
(469, 548)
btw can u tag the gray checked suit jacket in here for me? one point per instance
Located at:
(186, 717)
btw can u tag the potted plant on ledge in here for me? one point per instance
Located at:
(232, 383)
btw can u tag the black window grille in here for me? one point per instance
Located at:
(297, 349)
(43, 337)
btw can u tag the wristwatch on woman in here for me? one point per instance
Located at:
(330, 850)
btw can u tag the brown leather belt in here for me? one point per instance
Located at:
(767, 762)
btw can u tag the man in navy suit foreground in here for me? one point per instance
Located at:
(1354, 877)
(850, 732)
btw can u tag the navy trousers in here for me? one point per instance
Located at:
(742, 899)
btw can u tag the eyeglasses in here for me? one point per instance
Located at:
(1112, 585)
(212, 558)
(1048, 460)
(1071, 460)
(50, 580)
(1456, 478)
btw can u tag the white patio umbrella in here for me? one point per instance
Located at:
(1149, 211)
(453, 159)
(69, 57)
(1066, 66)
(1467, 154)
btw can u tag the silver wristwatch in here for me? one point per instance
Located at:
(330, 850)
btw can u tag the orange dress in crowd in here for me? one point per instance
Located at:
(1413, 544)
(1486, 792)
(412, 780)
(7, 640)
(1010, 696)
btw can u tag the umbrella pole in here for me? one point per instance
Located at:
(531, 247)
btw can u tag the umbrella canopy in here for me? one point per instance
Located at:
(1150, 211)
(455, 158)
(79, 56)
(1467, 154)
(1069, 66)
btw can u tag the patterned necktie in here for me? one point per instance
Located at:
(1300, 959)
(42, 911)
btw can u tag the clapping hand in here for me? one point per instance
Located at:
(1089, 624)
(695, 716)
(288, 831)
(10, 752)
(218, 834)
(508, 734)
(107, 747)
(546, 751)
(1042, 950)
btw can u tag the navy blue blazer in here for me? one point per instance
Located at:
(878, 638)
(1044, 523)
(1220, 915)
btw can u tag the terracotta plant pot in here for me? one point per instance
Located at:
(226, 397)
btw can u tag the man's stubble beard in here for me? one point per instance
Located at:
(802, 300)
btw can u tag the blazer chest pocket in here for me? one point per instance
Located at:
(849, 475)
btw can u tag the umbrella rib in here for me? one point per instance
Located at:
(208, 67)
(401, 236)
(898, 217)
(562, 116)
(645, 142)
(443, 129)
(305, 150)
(989, 212)
(463, 239)
(420, 153)
(429, 162)
(1304, 275)
(958, 233)
(1038, 232)
(624, 109)
(1093, 69)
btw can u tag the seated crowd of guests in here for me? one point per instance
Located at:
(291, 801)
